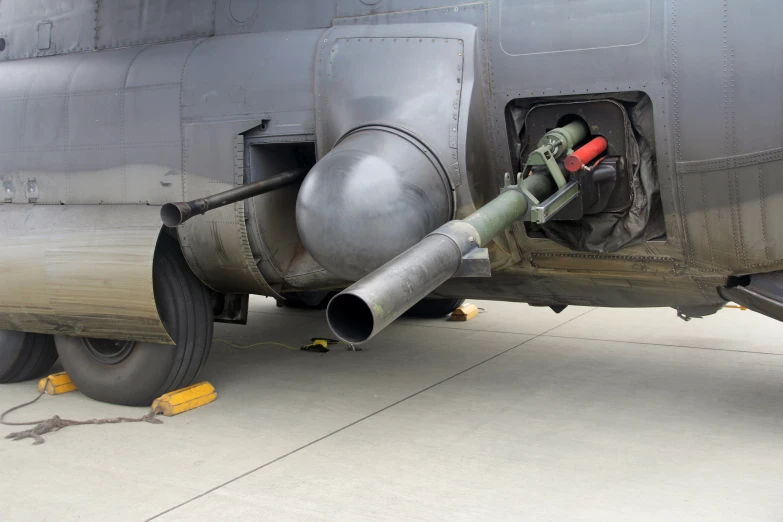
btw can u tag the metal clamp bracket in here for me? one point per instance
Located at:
(475, 260)
(541, 213)
(537, 187)
(545, 155)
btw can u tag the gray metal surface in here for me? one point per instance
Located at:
(121, 126)
(761, 293)
(258, 16)
(82, 270)
(427, 69)
(52, 27)
(147, 122)
(725, 103)
(122, 23)
(46, 27)
(373, 196)
(552, 27)
(271, 219)
(453, 250)
(370, 305)
(95, 128)
(221, 99)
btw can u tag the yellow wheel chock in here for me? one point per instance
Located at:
(168, 404)
(56, 384)
(184, 399)
(466, 312)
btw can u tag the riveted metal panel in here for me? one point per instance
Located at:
(561, 69)
(46, 27)
(250, 74)
(260, 16)
(411, 76)
(223, 97)
(158, 66)
(102, 72)
(647, 265)
(564, 25)
(373, 7)
(94, 120)
(215, 244)
(584, 64)
(52, 76)
(478, 137)
(728, 132)
(150, 115)
(122, 23)
(94, 128)
(615, 289)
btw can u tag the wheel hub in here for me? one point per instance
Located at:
(109, 351)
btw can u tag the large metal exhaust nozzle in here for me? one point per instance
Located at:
(368, 306)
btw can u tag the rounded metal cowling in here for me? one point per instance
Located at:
(376, 194)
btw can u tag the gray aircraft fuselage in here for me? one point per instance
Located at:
(110, 109)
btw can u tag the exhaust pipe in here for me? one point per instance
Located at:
(358, 313)
(174, 214)
(370, 305)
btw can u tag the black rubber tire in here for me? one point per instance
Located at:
(25, 356)
(434, 308)
(150, 370)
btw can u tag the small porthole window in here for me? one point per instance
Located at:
(2, 45)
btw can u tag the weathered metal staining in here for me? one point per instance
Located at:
(82, 269)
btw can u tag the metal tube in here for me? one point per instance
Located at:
(494, 217)
(540, 186)
(371, 304)
(573, 133)
(174, 214)
(564, 138)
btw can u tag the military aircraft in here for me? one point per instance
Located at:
(163, 160)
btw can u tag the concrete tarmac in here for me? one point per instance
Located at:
(519, 414)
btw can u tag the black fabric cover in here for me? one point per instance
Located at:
(607, 232)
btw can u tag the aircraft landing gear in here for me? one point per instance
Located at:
(135, 373)
(25, 355)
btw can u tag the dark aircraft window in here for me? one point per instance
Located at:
(2, 45)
